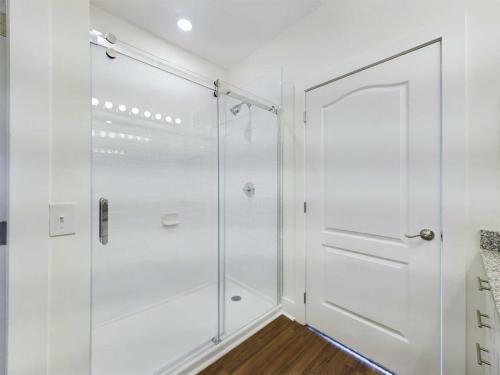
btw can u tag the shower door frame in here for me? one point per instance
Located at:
(197, 358)
(224, 88)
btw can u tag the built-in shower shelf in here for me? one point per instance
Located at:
(170, 219)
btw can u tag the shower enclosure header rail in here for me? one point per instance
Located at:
(113, 45)
(247, 98)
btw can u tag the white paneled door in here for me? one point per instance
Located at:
(373, 177)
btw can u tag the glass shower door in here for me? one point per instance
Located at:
(155, 216)
(249, 167)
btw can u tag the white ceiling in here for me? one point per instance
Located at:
(224, 31)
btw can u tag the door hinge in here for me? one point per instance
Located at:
(304, 118)
(3, 233)
(305, 207)
(305, 298)
(441, 236)
(3, 24)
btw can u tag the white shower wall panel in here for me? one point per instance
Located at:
(133, 272)
(251, 223)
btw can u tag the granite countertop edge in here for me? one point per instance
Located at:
(491, 262)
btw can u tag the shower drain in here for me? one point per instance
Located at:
(236, 298)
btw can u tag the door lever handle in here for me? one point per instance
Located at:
(425, 234)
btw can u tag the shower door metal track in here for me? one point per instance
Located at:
(249, 101)
(226, 89)
(114, 45)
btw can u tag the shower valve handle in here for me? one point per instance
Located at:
(249, 189)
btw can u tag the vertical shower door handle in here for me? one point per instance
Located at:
(103, 221)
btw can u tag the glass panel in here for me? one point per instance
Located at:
(249, 202)
(3, 192)
(155, 159)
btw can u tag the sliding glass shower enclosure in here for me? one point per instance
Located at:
(186, 212)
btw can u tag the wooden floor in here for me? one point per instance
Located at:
(286, 347)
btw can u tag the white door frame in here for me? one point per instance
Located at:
(456, 237)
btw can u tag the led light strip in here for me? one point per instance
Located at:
(113, 135)
(122, 108)
(351, 352)
(109, 151)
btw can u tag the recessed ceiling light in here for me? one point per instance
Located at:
(184, 24)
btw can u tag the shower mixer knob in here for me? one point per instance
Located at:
(249, 189)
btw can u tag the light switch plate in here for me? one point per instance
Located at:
(61, 219)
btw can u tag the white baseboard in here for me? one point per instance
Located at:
(289, 316)
(205, 357)
(297, 310)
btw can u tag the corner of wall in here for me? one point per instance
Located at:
(69, 164)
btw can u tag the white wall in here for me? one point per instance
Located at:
(29, 71)
(484, 144)
(341, 32)
(484, 114)
(69, 165)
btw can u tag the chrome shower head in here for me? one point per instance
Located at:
(236, 109)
